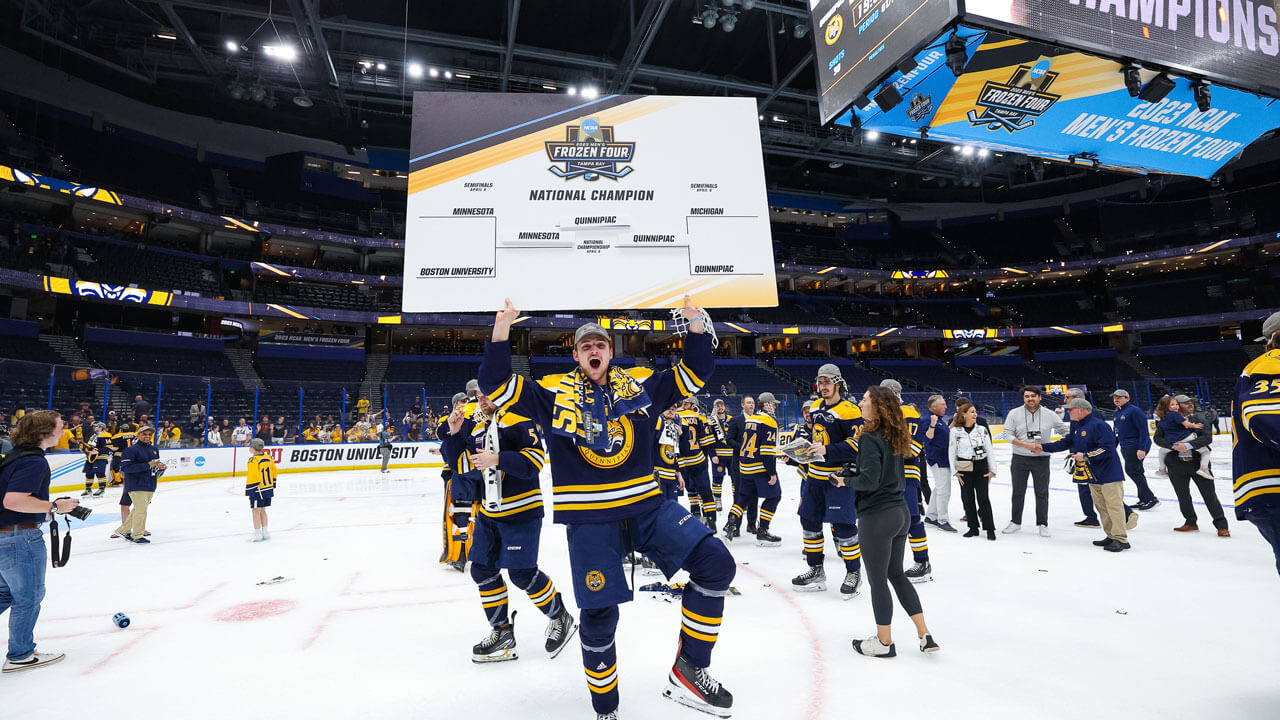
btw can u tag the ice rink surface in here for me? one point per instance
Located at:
(369, 625)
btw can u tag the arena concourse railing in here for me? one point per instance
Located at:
(316, 411)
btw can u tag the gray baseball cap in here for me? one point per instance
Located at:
(459, 397)
(893, 385)
(588, 329)
(1075, 392)
(829, 370)
(1080, 403)
(766, 397)
(257, 444)
(473, 387)
(1182, 399)
(1120, 393)
(1270, 327)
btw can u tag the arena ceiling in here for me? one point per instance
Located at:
(346, 71)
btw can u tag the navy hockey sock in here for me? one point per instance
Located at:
(919, 542)
(813, 542)
(846, 537)
(540, 589)
(493, 593)
(600, 656)
(711, 570)
(767, 509)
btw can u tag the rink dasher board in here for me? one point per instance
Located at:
(67, 468)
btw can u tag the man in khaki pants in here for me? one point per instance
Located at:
(141, 466)
(1093, 446)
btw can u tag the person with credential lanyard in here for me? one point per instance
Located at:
(1024, 426)
(25, 507)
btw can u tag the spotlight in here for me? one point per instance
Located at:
(967, 150)
(572, 91)
(382, 66)
(1200, 90)
(259, 93)
(728, 22)
(590, 93)
(237, 91)
(729, 3)
(888, 98)
(232, 46)
(1132, 79)
(1156, 88)
(433, 73)
(448, 74)
(924, 133)
(709, 17)
(956, 55)
(800, 30)
(835, 165)
(748, 4)
(414, 70)
(872, 135)
(983, 152)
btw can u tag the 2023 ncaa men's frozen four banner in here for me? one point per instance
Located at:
(564, 204)
(1038, 99)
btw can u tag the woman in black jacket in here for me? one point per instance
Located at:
(883, 521)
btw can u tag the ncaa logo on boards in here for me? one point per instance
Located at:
(199, 461)
(834, 27)
(595, 580)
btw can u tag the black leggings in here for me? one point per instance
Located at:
(883, 535)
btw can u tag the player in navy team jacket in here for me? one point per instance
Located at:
(1093, 445)
(599, 424)
(506, 536)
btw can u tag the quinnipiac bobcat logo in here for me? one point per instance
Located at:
(590, 152)
(1015, 104)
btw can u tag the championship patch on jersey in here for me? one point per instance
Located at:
(595, 580)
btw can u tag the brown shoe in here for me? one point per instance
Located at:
(1224, 533)
(1187, 528)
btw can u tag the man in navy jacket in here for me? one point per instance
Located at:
(1093, 446)
(139, 464)
(1134, 436)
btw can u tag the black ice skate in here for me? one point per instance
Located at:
(99, 491)
(852, 582)
(87, 492)
(694, 687)
(767, 539)
(920, 573)
(812, 581)
(559, 631)
(499, 646)
(730, 528)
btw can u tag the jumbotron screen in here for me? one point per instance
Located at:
(1234, 41)
(858, 41)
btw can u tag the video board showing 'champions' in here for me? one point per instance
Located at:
(1235, 41)
(859, 41)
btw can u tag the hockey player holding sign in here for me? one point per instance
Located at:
(600, 423)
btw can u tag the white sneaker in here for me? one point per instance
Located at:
(266, 534)
(1205, 472)
(872, 647)
(1012, 528)
(33, 660)
(257, 536)
(1044, 530)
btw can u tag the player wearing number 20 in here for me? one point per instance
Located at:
(507, 529)
(600, 423)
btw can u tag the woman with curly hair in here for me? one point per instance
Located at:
(883, 521)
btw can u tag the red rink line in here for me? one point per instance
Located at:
(196, 601)
(817, 695)
(323, 624)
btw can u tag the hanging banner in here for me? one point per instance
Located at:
(560, 204)
(1028, 97)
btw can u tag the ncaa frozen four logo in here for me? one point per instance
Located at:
(590, 152)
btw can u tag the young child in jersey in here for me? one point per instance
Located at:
(260, 486)
(1177, 429)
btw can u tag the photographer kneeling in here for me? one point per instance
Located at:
(24, 487)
